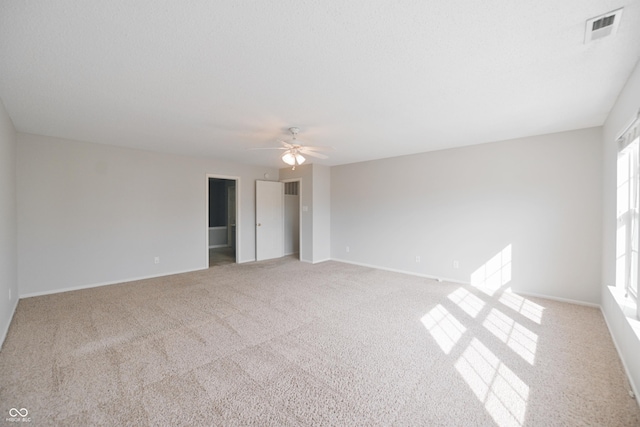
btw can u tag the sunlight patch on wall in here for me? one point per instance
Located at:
(502, 392)
(493, 274)
(623, 183)
(621, 255)
(528, 309)
(519, 339)
(468, 302)
(443, 327)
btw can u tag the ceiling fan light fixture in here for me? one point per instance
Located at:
(293, 159)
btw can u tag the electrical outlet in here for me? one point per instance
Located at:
(418, 258)
(347, 249)
(156, 260)
(456, 264)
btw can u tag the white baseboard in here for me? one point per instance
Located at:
(6, 329)
(462, 282)
(559, 299)
(394, 270)
(633, 386)
(308, 261)
(115, 282)
(218, 246)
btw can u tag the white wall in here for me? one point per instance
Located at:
(541, 195)
(8, 223)
(622, 328)
(90, 214)
(321, 213)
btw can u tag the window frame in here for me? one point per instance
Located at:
(628, 211)
(628, 216)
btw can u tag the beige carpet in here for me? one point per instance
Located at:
(287, 343)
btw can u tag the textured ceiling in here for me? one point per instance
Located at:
(371, 78)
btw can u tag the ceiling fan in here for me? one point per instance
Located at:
(294, 151)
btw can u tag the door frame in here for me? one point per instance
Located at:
(238, 233)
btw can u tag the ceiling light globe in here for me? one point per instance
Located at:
(292, 159)
(289, 159)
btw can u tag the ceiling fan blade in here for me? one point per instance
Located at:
(287, 145)
(313, 154)
(318, 148)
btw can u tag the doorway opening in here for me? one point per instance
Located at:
(222, 233)
(292, 218)
(278, 219)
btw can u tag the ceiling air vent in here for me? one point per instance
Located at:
(603, 25)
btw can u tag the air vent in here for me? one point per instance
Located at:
(602, 26)
(291, 188)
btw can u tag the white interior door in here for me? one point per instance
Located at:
(269, 220)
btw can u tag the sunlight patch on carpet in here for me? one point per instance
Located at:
(443, 327)
(519, 339)
(468, 302)
(502, 392)
(527, 308)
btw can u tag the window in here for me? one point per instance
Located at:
(628, 210)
